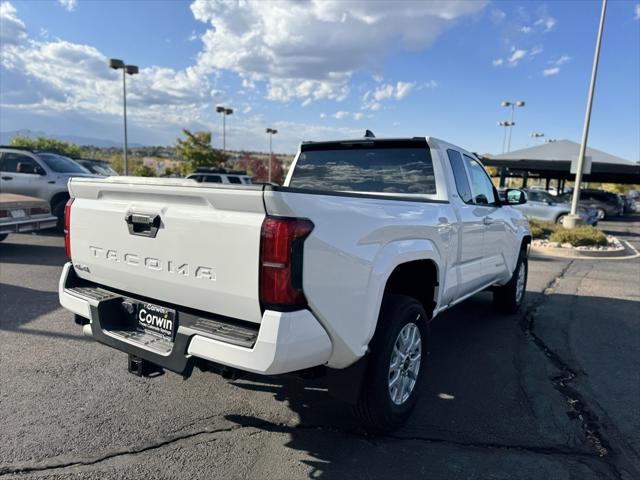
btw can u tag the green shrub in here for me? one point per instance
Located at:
(582, 236)
(540, 229)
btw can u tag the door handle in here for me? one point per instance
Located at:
(143, 225)
(487, 220)
(6, 177)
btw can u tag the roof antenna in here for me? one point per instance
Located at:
(369, 134)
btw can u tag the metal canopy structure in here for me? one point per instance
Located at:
(552, 160)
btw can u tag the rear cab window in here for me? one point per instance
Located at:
(383, 166)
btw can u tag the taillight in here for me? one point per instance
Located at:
(67, 228)
(281, 248)
(39, 210)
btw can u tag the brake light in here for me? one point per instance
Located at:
(39, 210)
(281, 248)
(67, 228)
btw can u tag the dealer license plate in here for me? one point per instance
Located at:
(156, 319)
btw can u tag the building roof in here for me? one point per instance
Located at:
(561, 150)
(553, 160)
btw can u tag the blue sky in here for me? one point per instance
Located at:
(316, 70)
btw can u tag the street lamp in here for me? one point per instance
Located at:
(573, 219)
(224, 111)
(126, 70)
(271, 132)
(506, 125)
(536, 135)
(513, 106)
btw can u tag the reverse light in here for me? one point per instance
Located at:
(281, 251)
(67, 228)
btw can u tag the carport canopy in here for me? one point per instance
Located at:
(552, 160)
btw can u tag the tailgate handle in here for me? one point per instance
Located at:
(143, 225)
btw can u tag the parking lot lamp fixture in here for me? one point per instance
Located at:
(536, 135)
(513, 106)
(224, 111)
(271, 132)
(117, 64)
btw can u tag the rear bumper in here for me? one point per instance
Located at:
(28, 225)
(283, 342)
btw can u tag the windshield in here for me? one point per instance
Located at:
(366, 168)
(61, 164)
(98, 167)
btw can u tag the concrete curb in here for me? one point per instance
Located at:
(628, 252)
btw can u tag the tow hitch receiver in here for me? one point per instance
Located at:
(143, 368)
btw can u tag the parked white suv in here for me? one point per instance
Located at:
(39, 174)
(211, 175)
(340, 269)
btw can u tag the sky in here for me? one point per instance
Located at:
(318, 70)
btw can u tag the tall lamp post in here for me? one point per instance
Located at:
(224, 111)
(536, 135)
(573, 219)
(513, 106)
(271, 132)
(504, 139)
(126, 70)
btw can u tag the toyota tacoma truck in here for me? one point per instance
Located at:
(338, 271)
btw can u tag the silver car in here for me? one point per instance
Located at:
(39, 174)
(543, 206)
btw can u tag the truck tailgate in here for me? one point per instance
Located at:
(203, 254)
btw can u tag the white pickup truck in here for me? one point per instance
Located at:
(338, 271)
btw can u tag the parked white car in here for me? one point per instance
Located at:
(340, 270)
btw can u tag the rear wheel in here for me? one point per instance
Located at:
(396, 365)
(510, 296)
(58, 211)
(3, 236)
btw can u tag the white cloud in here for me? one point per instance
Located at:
(546, 23)
(372, 98)
(547, 72)
(516, 56)
(340, 115)
(12, 29)
(287, 45)
(69, 5)
(535, 51)
(637, 16)
(562, 60)
(358, 116)
(497, 15)
(555, 69)
(497, 62)
(526, 29)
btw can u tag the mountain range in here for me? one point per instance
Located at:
(5, 138)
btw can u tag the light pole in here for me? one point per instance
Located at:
(513, 106)
(224, 111)
(130, 70)
(271, 132)
(506, 126)
(536, 135)
(573, 219)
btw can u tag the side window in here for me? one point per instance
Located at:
(18, 163)
(534, 196)
(483, 192)
(233, 179)
(212, 179)
(460, 175)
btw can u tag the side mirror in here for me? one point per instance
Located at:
(515, 197)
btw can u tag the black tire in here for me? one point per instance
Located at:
(375, 408)
(506, 298)
(58, 211)
(3, 236)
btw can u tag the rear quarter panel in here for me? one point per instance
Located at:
(356, 243)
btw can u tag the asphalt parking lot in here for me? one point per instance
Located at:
(550, 393)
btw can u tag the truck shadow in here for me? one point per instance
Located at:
(21, 305)
(29, 254)
(487, 384)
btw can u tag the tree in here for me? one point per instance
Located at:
(196, 150)
(144, 171)
(259, 169)
(47, 144)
